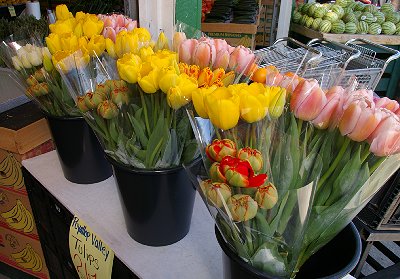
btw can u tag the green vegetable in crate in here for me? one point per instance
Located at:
(338, 27)
(316, 23)
(359, 6)
(331, 16)
(370, 8)
(325, 26)
(388, 28)
(309, 22)
(387, 8)
(374, 28)
(349, 17)
(362, 27)
(312, 9)
(393, 17)
(368, 17)
(337, 10)
(380, 17)
(350, 28)
(343, 3)
(296, 17)
(320, 12)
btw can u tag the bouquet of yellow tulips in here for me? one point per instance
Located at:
(287, 167)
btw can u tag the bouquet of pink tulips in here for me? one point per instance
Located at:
(287, 170)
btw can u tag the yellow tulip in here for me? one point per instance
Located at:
(168, 79)
(145, 52)
(83, 43)
(53, 43)
(78, 30)
(62, 60)
(162, 42)
(110, 47)
(96, 45)
(277, 100)
(223, 108)
(81, 16)
(183, 68)
(128, 67)
(63, 26)
(180, 95)
(126, 42)
(198, 98)
(62, 12)
(47, 63)
(69, 42)
(92, 26)
(253, 102)
(143, 34)
(163, 58)
(148, 78)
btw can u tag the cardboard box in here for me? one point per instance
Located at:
(16, 213)
(235, 34)
(268, 24)
(23, 253)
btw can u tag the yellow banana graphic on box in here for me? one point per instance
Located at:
(28, 259)
(10, 172)
(19, 218)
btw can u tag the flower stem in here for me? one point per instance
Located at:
(146, 118)
(376, 165)
(365, 153)
(217, 133)
(335, 163)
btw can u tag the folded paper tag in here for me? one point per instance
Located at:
(11, 10)
(92, 258)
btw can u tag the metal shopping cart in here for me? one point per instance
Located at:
(367, 69)
(288, 55)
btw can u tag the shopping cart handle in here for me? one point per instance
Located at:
(339, 45)
(299, 44)
(396, 54)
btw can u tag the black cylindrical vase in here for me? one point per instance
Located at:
(157, 204)
(79, 151)
(333, 261)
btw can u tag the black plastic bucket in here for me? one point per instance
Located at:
(79, 151)
(333, 261)
(157, 204)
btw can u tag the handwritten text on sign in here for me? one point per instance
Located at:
(92, 258)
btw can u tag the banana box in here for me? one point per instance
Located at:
(11, 177)
(23, 253)
(16, 213)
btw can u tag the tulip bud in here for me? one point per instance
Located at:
(16, 63)
(25, 61)
(216, 174)
(31, 80)
(35, 57)
(104, 90)
(81, 104)
(40, 89)
(222, 59)
(162, 42)
(110, 48)
(216, 192)
(278, 100)
(253, 156)
(179, 37)
(107, 109)
(228, 78)
(92, 100)
(218, 149)
(48, 63)
(266, 196)
(39, 75)
(146, 52)
(242, 207)
(119, 97)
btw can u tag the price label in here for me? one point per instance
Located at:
(92, 258)
(11, 10)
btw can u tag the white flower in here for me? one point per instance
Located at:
(17, 63)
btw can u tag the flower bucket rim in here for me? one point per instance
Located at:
(160, 171)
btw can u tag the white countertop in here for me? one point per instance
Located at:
(198, 254)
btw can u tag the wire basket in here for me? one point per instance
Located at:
(367, 69)
(287, 55)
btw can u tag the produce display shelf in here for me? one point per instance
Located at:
(342, 38)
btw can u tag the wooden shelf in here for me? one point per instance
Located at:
(342, 38)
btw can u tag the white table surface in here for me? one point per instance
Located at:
(198, 255)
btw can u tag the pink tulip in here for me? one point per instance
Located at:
(222, 59)
(109, 32)
(387, 103)
(359, 119)
(120, 20)
(110, 22)
(204, 54)
(130, 25)
(179, 37)
(385, 140)
(186, 50)
(324, 119)
(289, 82)
(241, 59)
(273, 79)
(307, 100)
(220, 44)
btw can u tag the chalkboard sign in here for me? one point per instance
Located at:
(189, 12)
